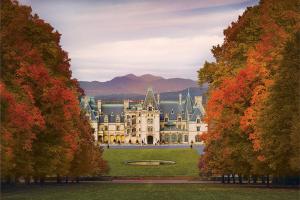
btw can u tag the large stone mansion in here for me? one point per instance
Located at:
(150, 121)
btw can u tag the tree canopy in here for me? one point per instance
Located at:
(43, 131)
(253, 105)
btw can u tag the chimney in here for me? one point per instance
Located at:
(126, 104)
(180, 98)
(99, 105)
(158, 98)
(198, 100)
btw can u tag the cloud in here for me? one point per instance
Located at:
(171, 38)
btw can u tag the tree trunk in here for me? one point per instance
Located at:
(228, 178)
(77, 179)
(254, 179)
(223, 178)
(27, 180)
(263, 180)
(35, 180)
(58, 178)
(67, 179)
(42, 180)
(233, 178)
(268, 180)
(240, 179)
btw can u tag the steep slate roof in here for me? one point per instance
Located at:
(172, 108)
(197, 112)
(150, 99)
(186, 109)
(188, 103)
(112, 111)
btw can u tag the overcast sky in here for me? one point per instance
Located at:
(169, 38)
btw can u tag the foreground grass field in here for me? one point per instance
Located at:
(186, 162)
(93, 191)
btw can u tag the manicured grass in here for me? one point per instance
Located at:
(93, 191)
(186, 162)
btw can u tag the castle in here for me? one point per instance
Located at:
(146, 122)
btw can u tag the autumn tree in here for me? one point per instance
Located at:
(240, 79)
(280, 119)
(42, 128)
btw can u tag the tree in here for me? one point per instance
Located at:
(240, 81)
(280, 120)
(41, 122)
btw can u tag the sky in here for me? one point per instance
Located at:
(169, 38)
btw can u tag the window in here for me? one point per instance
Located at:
(106, 128)
(150, 129)
(118, 128)
(186, 138)
(166, 119)
(198, 128)
(179, 119)
(198, 121)
(150, 121)
(179, 139)
(197, 138)
(174, 138)
(150, 108)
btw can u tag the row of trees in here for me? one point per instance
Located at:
(253, 111)
(43, 131)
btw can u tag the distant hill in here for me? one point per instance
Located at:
(194, 91)
(131, 85)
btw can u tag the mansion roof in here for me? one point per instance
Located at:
(113, 112)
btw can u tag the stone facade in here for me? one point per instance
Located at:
(146, 122)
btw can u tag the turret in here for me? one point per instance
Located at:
(180, 98)
(99, 105)
(126, 104)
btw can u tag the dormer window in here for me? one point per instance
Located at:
(150, 108)
(172, 112)
(112, 114)
(166, 119)
(118, 119)
(105, 118)
(179, 119)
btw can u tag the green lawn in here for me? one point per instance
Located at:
(186, 162)
(93, 191)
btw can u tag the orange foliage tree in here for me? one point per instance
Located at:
(42, 128)
(240, 81)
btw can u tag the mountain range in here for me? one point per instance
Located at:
(135, 85)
